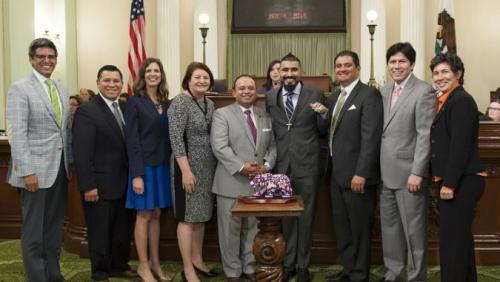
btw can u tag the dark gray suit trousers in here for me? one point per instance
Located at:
(42, 231)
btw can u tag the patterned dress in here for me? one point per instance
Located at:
(190, 136)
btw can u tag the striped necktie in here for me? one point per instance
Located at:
(54, 100)
(289, 104)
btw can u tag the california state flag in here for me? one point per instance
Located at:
(445, 35)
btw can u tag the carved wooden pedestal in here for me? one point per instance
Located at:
(269, 244)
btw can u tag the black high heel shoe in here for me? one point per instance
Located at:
(210, 273)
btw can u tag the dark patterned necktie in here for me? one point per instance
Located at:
(289, 105)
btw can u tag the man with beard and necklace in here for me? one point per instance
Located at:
(298, 118)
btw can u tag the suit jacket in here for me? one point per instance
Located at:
(454, 136)
(37, 141)
(405, 147)
(148, 142)
(233, 145)
(99, 150)
(356, 143)
(297, 148)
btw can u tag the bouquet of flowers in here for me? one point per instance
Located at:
(269, 185)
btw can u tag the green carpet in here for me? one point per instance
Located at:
(76, 269)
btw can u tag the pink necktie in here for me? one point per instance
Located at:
(395, 95)
(253, 129)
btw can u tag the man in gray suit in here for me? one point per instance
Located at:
(243, 142)
(37, 111)
(356, 115)
(409, 106)
(298, 119)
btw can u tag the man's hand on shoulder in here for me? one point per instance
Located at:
(91, 195)
(31, 182)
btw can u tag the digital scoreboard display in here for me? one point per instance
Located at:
(259, 16)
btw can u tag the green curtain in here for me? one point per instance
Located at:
(251, 53)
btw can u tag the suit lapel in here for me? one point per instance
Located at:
(347, 103)
(241, 118)
(402, 100)
(109, 117)
(64, 103)
(259, 119)
(301, 102)
(440, 112)
(40, 91)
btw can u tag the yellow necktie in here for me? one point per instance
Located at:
(54, 99)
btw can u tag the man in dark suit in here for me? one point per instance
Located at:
(101, 164)
(356, 115)
(297, 123)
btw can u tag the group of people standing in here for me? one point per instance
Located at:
(155, 152)
(399, 141)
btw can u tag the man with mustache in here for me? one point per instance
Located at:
(298, 118)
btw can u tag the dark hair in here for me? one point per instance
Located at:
(140, 82)
(453, 61)
(189, 72)
(111, 68)
(291, 58)
(91, 93)
(403, 47)
(41, 43)
(349, 53)
(76, 98)
(269, 82)
(240, 76)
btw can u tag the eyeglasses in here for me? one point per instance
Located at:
(45, 57)
(493, 109)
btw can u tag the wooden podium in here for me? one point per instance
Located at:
(269, 244)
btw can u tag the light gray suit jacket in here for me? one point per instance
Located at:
(36, 141)
(405, 146)
(233, 145)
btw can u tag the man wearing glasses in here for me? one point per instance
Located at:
(494, 110)
(37, 111)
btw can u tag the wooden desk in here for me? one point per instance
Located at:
(269, 244)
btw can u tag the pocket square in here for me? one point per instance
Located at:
(266, 129)
(352, 107)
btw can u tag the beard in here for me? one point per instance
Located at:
(290, 86)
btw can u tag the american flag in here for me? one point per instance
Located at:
(137, 51)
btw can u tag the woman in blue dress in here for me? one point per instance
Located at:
(148, 147)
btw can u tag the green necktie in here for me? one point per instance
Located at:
(54, 99)
(336, 113)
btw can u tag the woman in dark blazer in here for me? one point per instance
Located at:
(148, 147)
(456, 168)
